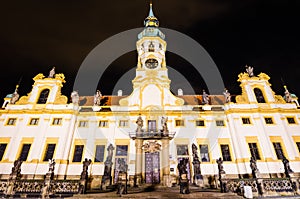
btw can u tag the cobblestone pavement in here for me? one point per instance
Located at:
(161, 192)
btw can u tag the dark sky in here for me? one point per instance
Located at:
(36, 35)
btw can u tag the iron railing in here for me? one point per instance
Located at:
(151, 135)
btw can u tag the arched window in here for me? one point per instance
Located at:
(259, 95)
(43, 96)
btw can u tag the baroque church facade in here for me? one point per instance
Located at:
(151, 129)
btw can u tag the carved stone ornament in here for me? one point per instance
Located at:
(152, 146)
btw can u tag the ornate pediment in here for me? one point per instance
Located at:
(151, 146)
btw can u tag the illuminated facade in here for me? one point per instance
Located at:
(44, 125)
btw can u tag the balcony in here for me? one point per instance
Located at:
(151, 135)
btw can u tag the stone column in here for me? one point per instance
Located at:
(138, 161)
(165, 163)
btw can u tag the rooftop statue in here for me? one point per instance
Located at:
(249, 70)
(52, 73)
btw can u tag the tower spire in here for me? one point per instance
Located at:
(151, 10)
(151, 20)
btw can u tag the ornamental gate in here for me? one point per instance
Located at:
(152, 168)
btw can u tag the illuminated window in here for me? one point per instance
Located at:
(254, 151)
(2, 150)
(24, 152)
(99, 156)
(225, 152)
(57, 121)
(246, 120)
(34, 121)
(200, 123)
(11, 121)
(83, 123)
(103, 123)
(78, 151)
(204, 155)
(49, 152)
(179, 122)
(269, 120)
(220, 123)
(291, 120)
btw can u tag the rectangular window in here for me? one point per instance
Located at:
(268, 120)
(204, 155)
(78, 151)
(83, 123)
(11, 121)
(103, 123)
(57, 121)
(225, 152)
(122, 150)
(298, 145)
(2, 150)
(182, 150)
(34, 121)
(246, 120)
(49, 152)
(179, 122)
(278, 150)
(291, 120)
(123, 123)
(254, 151)
(99, 156)
(24, 152)
(151, 125)
(220, 123)
(200, 123)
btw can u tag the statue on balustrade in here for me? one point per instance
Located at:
(183, 176)
(253, 166)
(107, 178)
(140, 124)
(287, 168)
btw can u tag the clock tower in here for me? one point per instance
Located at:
(151, 86)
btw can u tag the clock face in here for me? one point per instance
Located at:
(151, 63)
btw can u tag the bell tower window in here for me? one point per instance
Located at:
(259, 95)
(43, 96)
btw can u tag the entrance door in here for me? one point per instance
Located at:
(152, 168)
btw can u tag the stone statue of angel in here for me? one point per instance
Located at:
(52, 73)
(249, 70)
(164, 125)
(227, 96)
(205, 97)
(97, 98)
(75, 97)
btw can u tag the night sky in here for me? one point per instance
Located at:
(36, 35)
